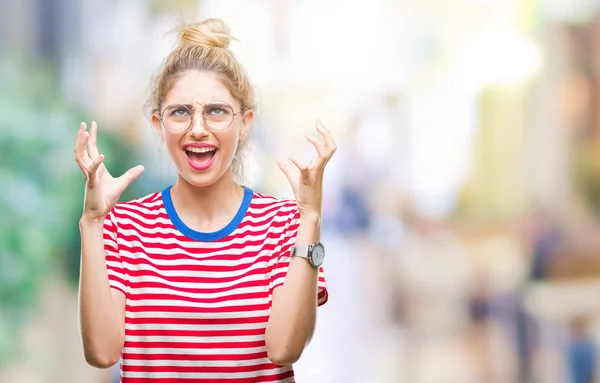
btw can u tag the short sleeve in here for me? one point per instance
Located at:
(114, 267)
(282, 255)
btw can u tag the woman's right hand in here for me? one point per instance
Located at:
(102, 191)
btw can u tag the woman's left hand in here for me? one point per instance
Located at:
(307, 180)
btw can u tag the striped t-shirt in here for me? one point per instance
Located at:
(198, 303)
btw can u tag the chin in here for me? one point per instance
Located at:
(201, 179)
(193, 181)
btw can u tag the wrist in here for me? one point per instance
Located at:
(87, 221)
(309, 231)
(310, 217)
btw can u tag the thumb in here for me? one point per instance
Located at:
(288, 169)
(126, 179)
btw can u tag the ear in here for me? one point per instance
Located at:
(246, 123)
(157, 125)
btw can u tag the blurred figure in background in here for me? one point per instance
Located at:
(582, 352)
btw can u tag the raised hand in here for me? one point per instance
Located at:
(307, 179)
(102, 190)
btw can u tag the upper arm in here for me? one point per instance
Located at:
(117, 277)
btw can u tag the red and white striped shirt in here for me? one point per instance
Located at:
(198, 303)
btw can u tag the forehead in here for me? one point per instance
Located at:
(195, 86)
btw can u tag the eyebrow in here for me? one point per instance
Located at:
(191, 106)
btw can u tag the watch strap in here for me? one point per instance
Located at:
(301, 251)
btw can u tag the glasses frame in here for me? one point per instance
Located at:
(193, 114)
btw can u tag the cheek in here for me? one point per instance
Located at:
(171, 142)
(236, 135)
(229, 140)
(235, 143)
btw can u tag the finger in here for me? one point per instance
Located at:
(92, 170)
(84, 170)
(287, 167)
(92, 141)
(301, 165)
(291, 173)
(81, 129)
(319, 145)
(126, 179)
(80, 141)
(85, 157)
(326, 135)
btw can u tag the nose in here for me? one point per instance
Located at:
(199, 128)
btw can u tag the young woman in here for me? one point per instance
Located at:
(206, 281)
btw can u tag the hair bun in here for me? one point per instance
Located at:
(212, 33)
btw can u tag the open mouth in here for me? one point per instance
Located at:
(200, 156)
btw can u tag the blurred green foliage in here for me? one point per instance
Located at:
(42, 190)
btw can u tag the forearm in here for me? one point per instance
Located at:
(294, 309)
(102, 330)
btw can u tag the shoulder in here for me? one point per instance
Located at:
(139, 206)
(282, 208)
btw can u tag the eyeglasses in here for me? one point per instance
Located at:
(217, 115)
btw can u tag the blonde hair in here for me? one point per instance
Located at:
(204, 46)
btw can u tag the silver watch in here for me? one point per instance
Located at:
(315, 254)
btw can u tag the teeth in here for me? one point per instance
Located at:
(199, 150)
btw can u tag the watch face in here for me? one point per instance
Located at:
(318, 254)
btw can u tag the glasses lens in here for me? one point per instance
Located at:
(218, 115)
(177, 118)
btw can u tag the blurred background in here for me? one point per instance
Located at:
(461, 209)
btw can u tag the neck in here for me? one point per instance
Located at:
(216, 203)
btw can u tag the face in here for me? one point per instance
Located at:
(202, 154)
